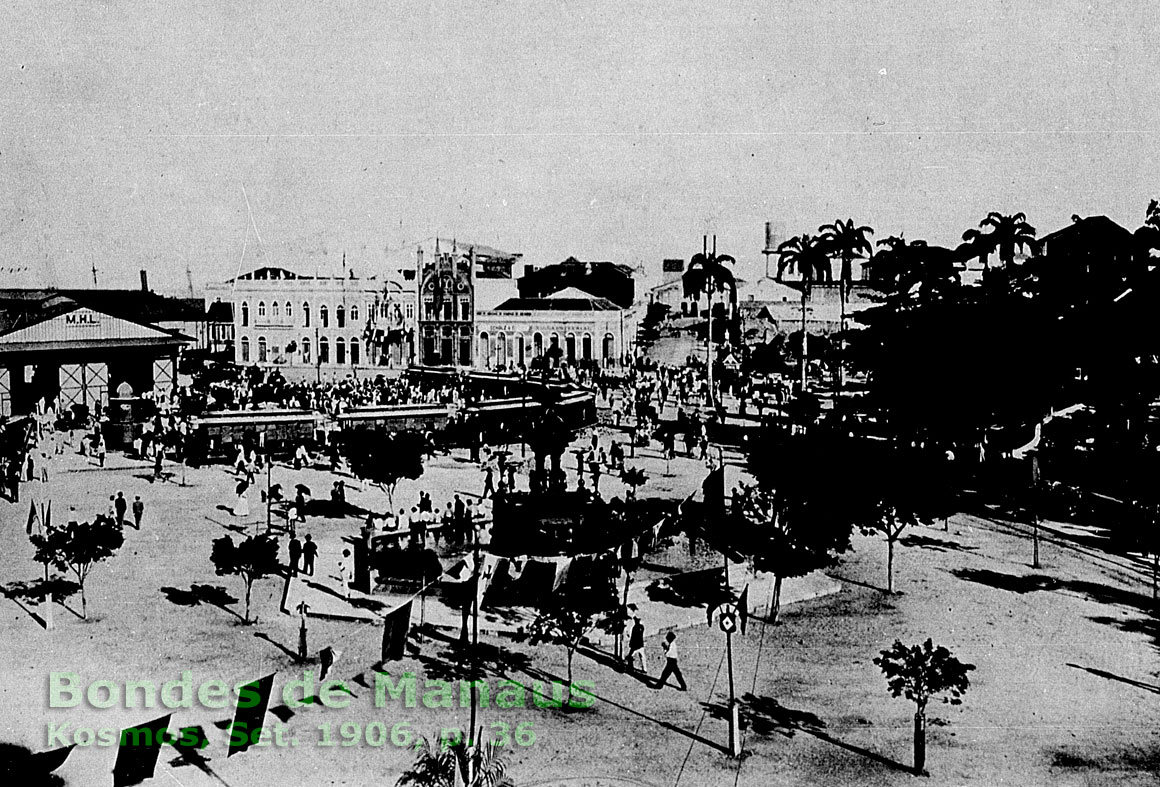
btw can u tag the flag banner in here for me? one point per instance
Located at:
(743, 607)
(327, 658)
(246, 730)
(488, 567)
(43, 763)
(137, 751)
(32, 518)
(516, 568)
(48, 516)
(395, 627)
(562, 564)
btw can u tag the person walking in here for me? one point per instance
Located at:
(636, 644)
(242, 503)
(671, 665)
(295, 555)
(344, 573)
(138, 511)
(120, 506)
(43, 467)
(158, 458)
(309, 554)
(101, 449)
(488, 482)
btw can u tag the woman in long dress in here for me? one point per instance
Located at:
(242, 504)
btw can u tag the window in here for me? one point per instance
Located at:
(354, 315)
(340, 349)
(410, 311)
(501, 350)
(537, 344)
(609, 348)
(484, 350)
(306, 315)
(306, 351)
(340, 317)
(465, 348)
(261, 308)
(274, 309)
(428, 308)
(519, 359)
(324, 316)
(586, 347)
(289, 310)
(465, 308)
(447, 304)
(245, 314)
(570, 346)
(261, 349)
(245, 350)
(323, 350)
(354, 351)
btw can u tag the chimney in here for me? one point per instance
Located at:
(144, 281)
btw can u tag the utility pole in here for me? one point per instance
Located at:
(474, 628)
(709, 284)
(303, 608)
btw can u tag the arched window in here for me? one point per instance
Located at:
(289, 310)
(570, 348)
(484, 349)
(306, 351)
(609, 352)
(354, 315)
(305, 314)
(340, 351)
(537, 344)
(324, 316)
(586, 347)
(323, 350)
(354, 352)
(519, 359)
(501, 349)
(245, 314)
(261, 308)
(245, 349)
(261, 349)
(340, 317)
(274, 309)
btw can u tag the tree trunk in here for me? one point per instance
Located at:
(920, 742)
(571, 652)
(805, 343)
(842, 327)
(709, 345)
(249, 584)
(889, 565)
(84, 606)
(775, 600)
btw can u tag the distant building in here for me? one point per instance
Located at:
(319, 327)
(220, 329)
(609, 280)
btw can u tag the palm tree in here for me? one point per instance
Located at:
(805, 254)
(1008, 233)
(457, 764)
(978, 244)
(887, 262)
(848, 243)
(707, 273)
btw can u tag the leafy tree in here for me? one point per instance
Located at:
(561, 621)
(457, 763)
(808, 256)
(633, 477)
(921, 673)
(251, 559)
(78, 547)
(848, 243)
(796, 531)
(384, 459)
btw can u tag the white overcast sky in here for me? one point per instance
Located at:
(132, 132)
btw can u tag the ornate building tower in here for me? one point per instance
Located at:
(446, 307)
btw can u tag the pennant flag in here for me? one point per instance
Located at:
(48, 516)
(138, 750)
(487, 571)
(743, 607)
(32, 518)
(246, 730)
(39, 765)
(326, 658)
(395, 627)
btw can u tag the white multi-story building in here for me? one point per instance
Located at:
(320, 327)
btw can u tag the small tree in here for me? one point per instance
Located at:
(78, 547)
(920, 673)
(560, 623)
(457, 762)
(385, 459)
(633, 478)
(889, 520)
(252, 559)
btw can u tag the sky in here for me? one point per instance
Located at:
(213, 137)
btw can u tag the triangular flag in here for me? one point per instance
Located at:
(138, 750)
(32, 518)
(48, 516)
(246, 730)
(327, 658)
(395, 627)
(743, 607)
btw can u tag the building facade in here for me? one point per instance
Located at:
(318, 327)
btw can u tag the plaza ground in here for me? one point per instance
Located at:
(1064, 691)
